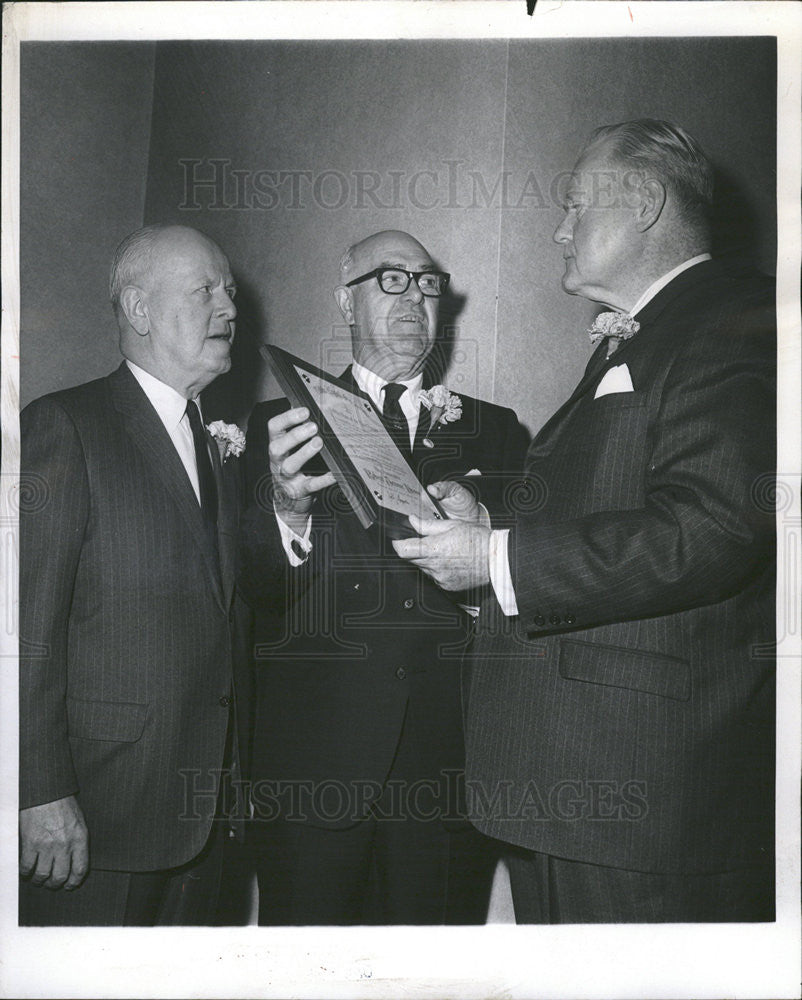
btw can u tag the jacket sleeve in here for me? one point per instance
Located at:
(704, 530)
(266, 580)
(504, 444)
(54, 514)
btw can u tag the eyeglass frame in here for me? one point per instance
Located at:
(378, 271)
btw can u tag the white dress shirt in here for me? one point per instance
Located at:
(171, 407)
(660, 284)
(370, 383)
(500, 576)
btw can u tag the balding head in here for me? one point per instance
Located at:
(172, 290)
(392, 335)
(383, 244)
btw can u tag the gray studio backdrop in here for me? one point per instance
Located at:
(287, 152)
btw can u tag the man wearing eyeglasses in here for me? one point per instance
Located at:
(358, 745)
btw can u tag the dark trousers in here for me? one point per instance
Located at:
(549, 890)
(184, 896)
(377, 872)
(392, 867)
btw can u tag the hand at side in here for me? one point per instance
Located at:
(54, 844)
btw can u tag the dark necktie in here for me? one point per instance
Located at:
(208, 489)
(393, 415)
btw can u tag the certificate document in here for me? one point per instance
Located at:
(374, 475)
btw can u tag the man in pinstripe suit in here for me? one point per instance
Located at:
(620, 689)
(127, 717)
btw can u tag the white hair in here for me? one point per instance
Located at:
(669, 153)
(131, 261)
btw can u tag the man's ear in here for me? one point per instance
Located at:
(345, 302)
(652, 202)
(132, 303)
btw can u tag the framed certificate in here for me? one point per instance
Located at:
(374, 475)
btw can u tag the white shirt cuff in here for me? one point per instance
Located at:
(500, 576)
(288, 536)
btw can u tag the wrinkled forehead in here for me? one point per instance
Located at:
(186, 255)
(389, 251)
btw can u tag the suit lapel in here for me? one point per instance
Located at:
(599, 362)
(149, 435)
(419, 450)
(348, 379)
(547, 436)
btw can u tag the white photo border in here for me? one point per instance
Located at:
(738, 960)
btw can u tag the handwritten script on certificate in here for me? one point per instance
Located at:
(380, 465)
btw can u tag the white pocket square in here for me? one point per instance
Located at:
(473, 472)
(615, 380)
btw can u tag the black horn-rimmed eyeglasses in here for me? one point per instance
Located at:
(395, 281)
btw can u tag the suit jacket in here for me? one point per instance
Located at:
(125, 625)
(626, 716)
(346, 641)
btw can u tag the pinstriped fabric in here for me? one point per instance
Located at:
(645, 585)
(117, 584)
(546, 890)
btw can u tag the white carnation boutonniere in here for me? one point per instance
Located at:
(230, 438)
(443, 407)
(613, 327)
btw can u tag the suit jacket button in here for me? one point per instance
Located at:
(409, 603)
(225, 701)
(570, 620)
(555, 619)
(400, 673)
(539, 620)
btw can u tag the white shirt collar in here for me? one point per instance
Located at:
(169, 404)
(661, 283)
(371, 384)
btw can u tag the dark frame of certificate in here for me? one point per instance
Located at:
(363, 497)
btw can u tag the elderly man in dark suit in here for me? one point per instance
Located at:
(127, 716)
(358, 746)
(620, 688)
